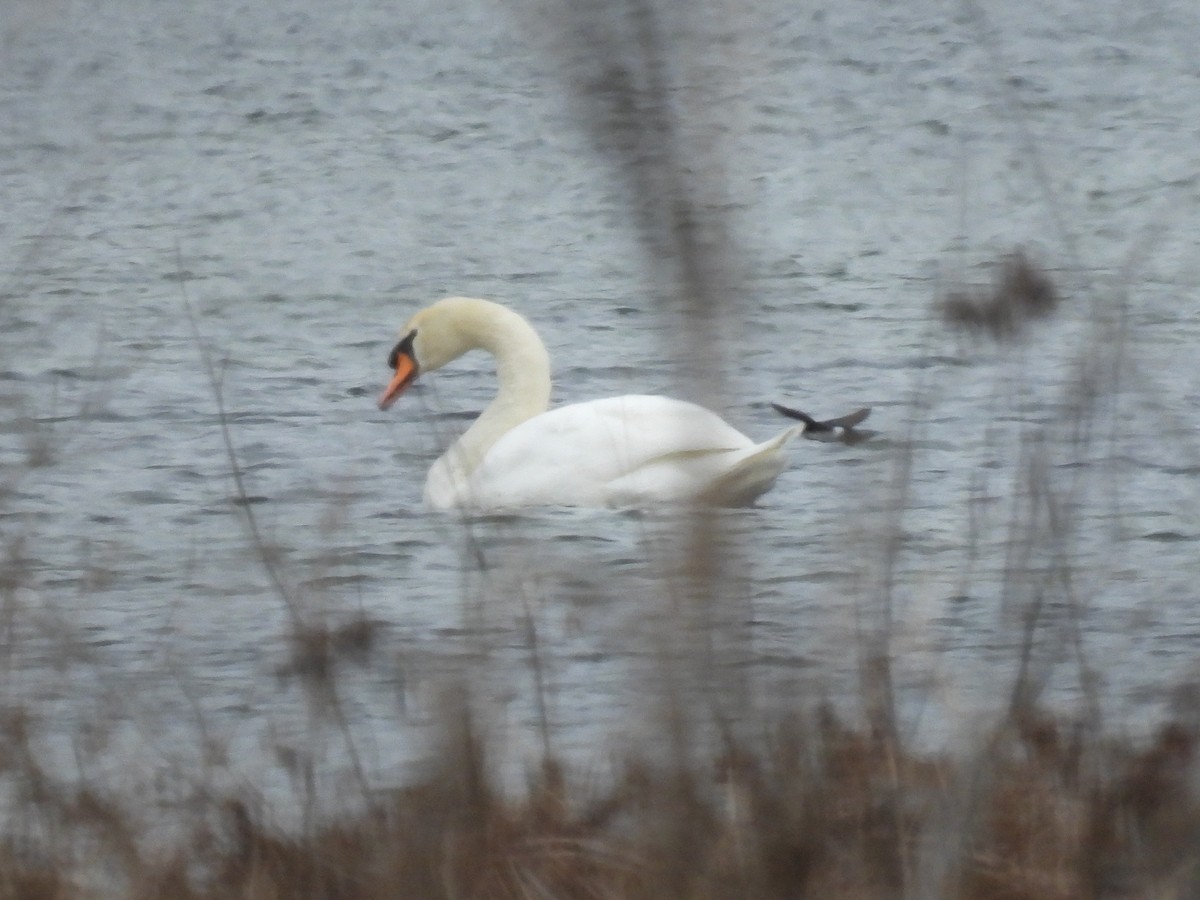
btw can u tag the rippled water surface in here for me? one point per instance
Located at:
(307, 175)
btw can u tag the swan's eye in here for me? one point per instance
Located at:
(405, 346)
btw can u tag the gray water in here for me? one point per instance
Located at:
(323, 173)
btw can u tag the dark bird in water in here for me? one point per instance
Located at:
(843, 428)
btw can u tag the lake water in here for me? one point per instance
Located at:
(309, 175)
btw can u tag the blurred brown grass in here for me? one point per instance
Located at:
(818, 809)
(1022, 294)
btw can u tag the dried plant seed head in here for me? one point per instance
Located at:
(1022, 292)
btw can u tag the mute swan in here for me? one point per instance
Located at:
(843, 428)
(628, 451)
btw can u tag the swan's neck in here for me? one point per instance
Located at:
(523, 372)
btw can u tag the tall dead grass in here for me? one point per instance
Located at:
(816, 809)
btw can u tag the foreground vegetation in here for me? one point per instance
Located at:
(815, 809)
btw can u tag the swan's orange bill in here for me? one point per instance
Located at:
(406, 374)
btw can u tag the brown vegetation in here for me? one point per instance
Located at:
(1021, 294)
(819, 810)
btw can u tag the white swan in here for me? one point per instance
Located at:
(628, 451)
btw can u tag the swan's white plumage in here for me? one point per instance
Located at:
(627, 451)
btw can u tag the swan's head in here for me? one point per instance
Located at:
(433, 337)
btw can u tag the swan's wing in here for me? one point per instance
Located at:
(617, 451)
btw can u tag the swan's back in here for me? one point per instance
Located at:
(632, 450)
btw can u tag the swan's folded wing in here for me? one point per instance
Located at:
(713, 477)
(623, 451)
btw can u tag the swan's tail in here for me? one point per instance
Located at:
(754, 474)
